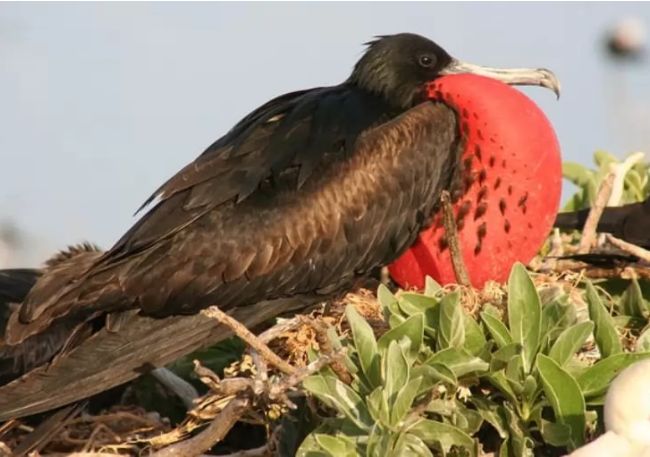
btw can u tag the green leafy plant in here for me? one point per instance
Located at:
(636, 184)
(441, 381)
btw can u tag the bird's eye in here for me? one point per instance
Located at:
(426, 61)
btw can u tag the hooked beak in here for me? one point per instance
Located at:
(512, 76)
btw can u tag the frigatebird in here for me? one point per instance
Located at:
(308, 194)
(630, 222)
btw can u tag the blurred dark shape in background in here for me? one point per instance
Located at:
(626, 40)
(625, 56)
(11, 240)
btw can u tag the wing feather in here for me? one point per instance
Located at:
(359, 209)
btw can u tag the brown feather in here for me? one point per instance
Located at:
(378, 176)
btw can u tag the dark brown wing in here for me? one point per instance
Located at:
(296, 131)
(108, 359)
(360, 208)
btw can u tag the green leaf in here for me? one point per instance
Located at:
(459, 361)
(524, 314)
(340, 396)
(412, 328)
(411, 304)
(311, 448)
(404, 400)
(583, 178)
(489, 411)
(497, 329)
(411, 445)
(432, 375)
(595, 380)
(388, 301)
(431, 287)
(530, 389)
(475, 342)
(556, 434)
(634, 183)
(499, 380)
(442, 407)
(468, 420)
(432, 432)
(632, 302)
(603, 159)
(365, 344)
(521, 444)
(379, 440)
(565, 397)
(451, 328)
(417, 302)
(557, 316)
(336, 445)
(378, 406)
(396, 371)
(504, 449)
(607, 338)
(576, 173)
(628, 322)
(515, 374)
(570, 341)
(501, 357)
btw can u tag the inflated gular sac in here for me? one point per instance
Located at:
(508, 189)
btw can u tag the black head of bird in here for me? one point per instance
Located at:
(398, 67)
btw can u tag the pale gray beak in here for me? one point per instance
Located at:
(512, 76)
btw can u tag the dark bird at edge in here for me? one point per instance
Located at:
(629, 222)
(310, 193)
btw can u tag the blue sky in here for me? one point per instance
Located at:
(102, 102)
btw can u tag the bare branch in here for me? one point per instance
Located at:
(250, 339)
(280, 328)
(633, 249)
(213, 434)
(596, 211)
(624, 272)
(177, 385)
(451, 232)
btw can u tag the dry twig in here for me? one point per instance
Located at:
(250, 339)
(451, 232)
(214, 433)
(232, 398)
(596, 211)
(177, 385)
(590, 271)
(633, 249)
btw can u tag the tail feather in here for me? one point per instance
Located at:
(15, 286)
(108, 359)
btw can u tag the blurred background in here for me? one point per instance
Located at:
(100, 103)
